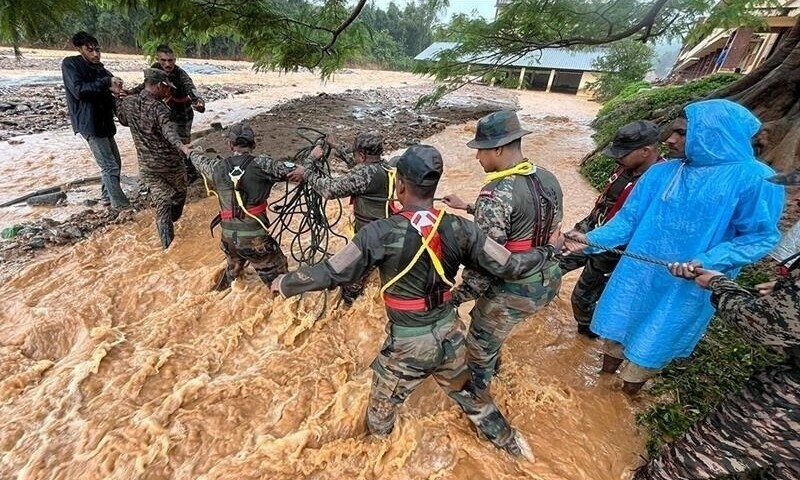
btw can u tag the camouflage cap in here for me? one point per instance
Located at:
(497, 129)
(241, 133)
(371, 143)
(421, 165)
(791, 178)
(633, 136)
(156, 75)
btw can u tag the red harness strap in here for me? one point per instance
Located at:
(516, 246)
(256, 210)
(416, 304)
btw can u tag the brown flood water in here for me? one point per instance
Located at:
(117, 363)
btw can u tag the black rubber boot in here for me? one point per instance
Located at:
(166, 232)
(611, 364)
(587, 332)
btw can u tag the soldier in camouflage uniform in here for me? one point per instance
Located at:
(244, 219)
(519, 207)
(425, 337)
(635, 148)
(759, 427)
(183, 100)
(366, 183)
(160, 149)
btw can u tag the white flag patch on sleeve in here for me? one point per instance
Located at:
(346, 257)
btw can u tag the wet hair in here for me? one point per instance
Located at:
(369, 143)
(419, 191)
(82, 38)
(164, 48)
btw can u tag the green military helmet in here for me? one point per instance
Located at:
(791, 178)
(497, 129)
(156, 75)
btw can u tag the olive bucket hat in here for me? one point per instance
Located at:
(497, 129)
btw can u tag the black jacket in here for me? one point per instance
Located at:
(91, 105)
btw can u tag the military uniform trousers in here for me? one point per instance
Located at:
(260, 251)
(597, 270)
(757, 429)
(409, 356)
(183, 116)
(168, 196)
(497, 312)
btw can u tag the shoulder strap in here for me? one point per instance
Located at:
(417, 220)
(543, 222)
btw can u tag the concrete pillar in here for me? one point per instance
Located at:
(521, 78)
(737, 48)
(550, 80)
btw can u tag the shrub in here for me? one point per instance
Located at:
(635, 103)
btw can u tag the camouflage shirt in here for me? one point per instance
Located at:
(772, 320)
(154, 134)
(365, 183)
(382, 244)
(500, 214)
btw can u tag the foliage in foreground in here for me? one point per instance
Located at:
(661, 104)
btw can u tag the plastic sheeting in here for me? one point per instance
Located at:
(789, 244)
(714, 207)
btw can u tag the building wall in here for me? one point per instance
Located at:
(583, 89)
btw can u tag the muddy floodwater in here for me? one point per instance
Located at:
(118, 362)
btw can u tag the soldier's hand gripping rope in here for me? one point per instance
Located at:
(303, 213)
(635, 256)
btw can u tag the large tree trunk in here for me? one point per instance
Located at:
(772, 92)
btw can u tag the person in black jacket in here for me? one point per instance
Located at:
(90, 90)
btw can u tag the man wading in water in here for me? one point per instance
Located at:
(417, 253)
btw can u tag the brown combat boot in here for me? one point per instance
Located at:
(632, 388)
(610, 364)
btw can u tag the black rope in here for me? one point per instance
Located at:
(636, 256)
(302, 212)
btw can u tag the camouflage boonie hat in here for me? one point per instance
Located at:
(241, 133)
(421, 165)
(156, 75)
(791, 178)
(371, 143)
(497, 129)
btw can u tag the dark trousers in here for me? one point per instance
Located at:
(262, 252)
(589, 287)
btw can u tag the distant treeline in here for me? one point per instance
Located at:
(396, 34)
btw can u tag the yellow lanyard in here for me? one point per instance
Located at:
(525, 167)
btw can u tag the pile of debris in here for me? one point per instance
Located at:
(40, 108)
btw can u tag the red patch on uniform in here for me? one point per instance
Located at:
(486, 193)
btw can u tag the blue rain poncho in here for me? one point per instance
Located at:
(714, 207)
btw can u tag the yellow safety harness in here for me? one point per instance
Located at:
(235, 175)
(526, 167)
(437, 263)
(392, 174)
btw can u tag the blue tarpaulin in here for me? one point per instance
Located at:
(715, 207)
